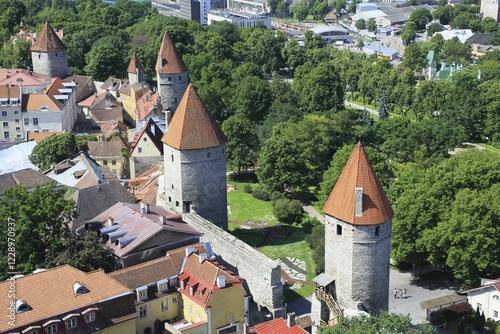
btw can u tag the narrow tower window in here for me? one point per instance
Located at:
(377, 230)
(208, 155)
(172, 158)
(339, 229)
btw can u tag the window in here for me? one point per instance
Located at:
(187, 206)
(169, 199)
(52, 329)
(33, 332)
(139, 149)
(17, 120)
(495, 298)
(172, 158)
(208, 155)
(145, 139)
(71, 323)
(479, 306)
(143, 294)
(26, 121)
(143, 311)
(4, 113)
(18, 136)
(35, 121)
(45, 130)
(175, 99)
(174, 300)
(16, 112)
(176, 203)
(495, 314)
(377, 230)
(339, 229)
(89, 317)
(190, 309)
(6, 134)
(113, 162)
(105, 162)
(164, 304)
(18, 128)
(228, 329)
(172, 186)
(5, 124)
(180, 78)
(169, 78)
(223, 150)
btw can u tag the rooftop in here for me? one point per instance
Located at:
(79, 172)
(28, 178)
(104, 149)
(48, 41)
(169, 59)
(278, 325)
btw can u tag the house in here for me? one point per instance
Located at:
(84, 86)
(98, 198)
(213, 298)
(376, 49)
(111, 85)
(108, 155)
(486, 298)
(114, 127)
(67, 300)
(148, 105)
(27, 178)
(278, 325)
(105, 108)
(155, 284)
(463, 35)
(146, 150)
(138, 232)
(145, 186)
(52, 110)
(31, 82)
(130, 93)
(24, 35)
(78, 172)
(16, 157)
(10, 107)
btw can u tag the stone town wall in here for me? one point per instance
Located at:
(261, 274)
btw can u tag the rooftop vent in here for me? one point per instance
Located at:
(79, 289)
(221, 281)
(22, 306)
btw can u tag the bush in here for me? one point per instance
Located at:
(287, 211)
(455, 311)
(436, 318)
(276, 195)
(308, 223)
(261, 194)
(247, 188)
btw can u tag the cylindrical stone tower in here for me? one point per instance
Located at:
(48, 54)
(195, 162)
(172, 74)
(358, 237)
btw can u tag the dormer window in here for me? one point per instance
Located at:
(142, 293)
(182, 284)
(191, 290)
(22, 306)
(163, 285)
(79, 289)
(89, 317)
(173, 281)
(71, 323)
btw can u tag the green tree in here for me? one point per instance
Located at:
(455, 51)
(83, 252)
(443, 14)
(56, 148)
(37, 221)
(107, 58)
(360, 24)
(434, 28)
(300, 13)
(409, 32)
(252, 98)
(243, 143)
(320, 10)
(287, 211)
(383, 109)
(316, 241)
(371, 25)
(420, 17)
(462, 20)
(489, 24)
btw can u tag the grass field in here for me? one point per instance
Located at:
(245, 207)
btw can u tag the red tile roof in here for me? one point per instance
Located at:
(169, 59)
(358, 173)
(276, 326)
(134, 64)
(193, 126)
(48, 41)
(145, 105)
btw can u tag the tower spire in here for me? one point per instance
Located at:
(169, 60)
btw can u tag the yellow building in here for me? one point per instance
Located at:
(130, 93)
(67, 300)
(109, 156)
(213, 299)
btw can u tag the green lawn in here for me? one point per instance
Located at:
(245, 207)
(488, 147)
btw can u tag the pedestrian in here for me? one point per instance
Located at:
(401, 293)
(395, 293)
(404, 293)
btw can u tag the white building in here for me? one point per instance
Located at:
(332, 34)
(486, 298)
(491, 8)
(240, 19)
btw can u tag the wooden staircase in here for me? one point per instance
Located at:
(332, 305)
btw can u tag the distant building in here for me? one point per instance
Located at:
(385, 14)
(491, 8)
(248, 6)
(376, 49)
(332, 34)
(105, 108)
(49, 54)
(146, 150)
(242, 20)
(196, 10)
(462, 34)
(486, 298)
(10, 102)
(108, 155)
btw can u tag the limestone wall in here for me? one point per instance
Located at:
(262, 275)
(171, 88)
(54, 64)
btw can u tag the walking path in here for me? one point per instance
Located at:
(360, 107)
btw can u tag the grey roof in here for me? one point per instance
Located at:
(84, 88)
(14, 158)
(79, 172)
(376, 47)
(96, 199)
(323, 279)
(28, 178)
(482, 39)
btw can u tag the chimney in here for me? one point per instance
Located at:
(163, 220)
(189, 250)
(168, 116)
(221, 281)
(143, 208)
(358, 205)
(290, 319)
(111, 221)
(202, 257)
(147, 208)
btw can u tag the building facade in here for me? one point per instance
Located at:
(491, 8)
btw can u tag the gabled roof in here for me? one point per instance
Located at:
(135, 64)
(28, 178)
(104, 149)
(193, 126)
(358, 173)
(276, 326)
(480, 38)
(155, 270)
(145, 105)
(37, 136)
(28, 78)
(202, 277)
(154, 136)
(136, 227)
(48, 41)
(169, 59)
(50, 293)
(16, 157)
(84, 88)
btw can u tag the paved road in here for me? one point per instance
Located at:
(311, 210)
(360, 107)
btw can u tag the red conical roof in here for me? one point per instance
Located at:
(48, 41)
(193, 126)
(134, 64)
(358, 173)
(169, 60)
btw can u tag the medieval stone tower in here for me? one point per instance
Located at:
(195, 162)
(357, 244)
(135, 70)
(49, 54)
(172, 74)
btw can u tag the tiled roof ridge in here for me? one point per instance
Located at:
(169, 59)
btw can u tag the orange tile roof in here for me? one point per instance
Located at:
(145, 105)
(169, 59)
(48, 41)
(276, 326)
(358, 173)
(50, 293)
(193, 126)
(37, 136)
(10, 92)
(134, 64)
